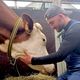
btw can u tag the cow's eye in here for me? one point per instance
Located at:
(43, 39)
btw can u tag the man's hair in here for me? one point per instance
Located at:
(53, 11)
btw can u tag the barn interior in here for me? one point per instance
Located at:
(36, 9)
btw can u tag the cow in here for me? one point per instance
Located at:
(35, 42)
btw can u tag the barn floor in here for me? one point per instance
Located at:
(32, 77)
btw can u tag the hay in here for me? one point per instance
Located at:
(32, 77)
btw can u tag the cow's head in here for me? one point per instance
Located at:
(36, 45)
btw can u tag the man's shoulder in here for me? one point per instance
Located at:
(75, 25)
(75, 22)
(74, 29)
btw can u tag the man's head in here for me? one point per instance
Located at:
(57, 18)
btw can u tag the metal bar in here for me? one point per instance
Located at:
(31, 0)
(71, 1)
(63, 2)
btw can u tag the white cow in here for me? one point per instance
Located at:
(36, 45)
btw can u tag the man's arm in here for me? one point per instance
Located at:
(70, 42)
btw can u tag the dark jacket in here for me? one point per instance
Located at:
(69, 49)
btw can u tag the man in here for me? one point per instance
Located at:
(69, 49)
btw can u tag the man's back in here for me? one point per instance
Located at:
(72, 30)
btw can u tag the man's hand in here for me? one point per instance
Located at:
(26, 58)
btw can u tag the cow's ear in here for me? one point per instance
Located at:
(27, 30)
(29, 20)
(25, 24)
(38, 26)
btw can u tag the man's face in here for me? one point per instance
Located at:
(56, 23)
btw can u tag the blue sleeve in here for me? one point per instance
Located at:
(70, 42)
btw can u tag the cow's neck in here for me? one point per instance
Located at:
(21, 37)
(5, 34)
